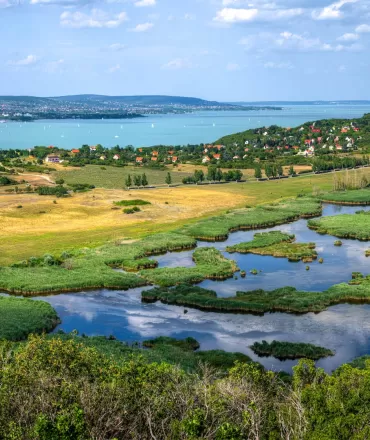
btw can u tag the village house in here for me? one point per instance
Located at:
(93, 148)
(154, 159)
(52, 158)
(217, 156)
(139, 160)
(116, 157)
(75, 151)
(206, 159)
(174, 159)
(155, 153)
(102, 157)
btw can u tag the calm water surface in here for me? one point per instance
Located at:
(344, 328)
(165, 129)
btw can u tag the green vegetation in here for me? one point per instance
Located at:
(65, 387)
(355, 226)
(4, 180)
(290, 350)
(210, 264)
(131, 210)
(184, 344)
(92, 268)
(354, 197)
(277, 244)
(285, 299)
(58, 191)
(218, 228)
(20, 317)
(135, 202)
(81, 187)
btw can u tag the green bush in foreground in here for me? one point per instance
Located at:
(344, 226)
(290, 350)
(20, 317)
(66, 388)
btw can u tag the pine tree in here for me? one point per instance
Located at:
(168, 179)
(258, 172)
(144, 180)
(128, 181)
(137, 180)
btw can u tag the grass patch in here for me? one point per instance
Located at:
(277, 244)
(131, 210)
(285, 299)
(355, 226)
(210, 264)
(352, 197)
(218, 228)
(290, 350)
(20, 317)
(185, 344)
(136, 202)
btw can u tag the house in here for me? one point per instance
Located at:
(154, 159)
(217, 156)
(174, 159)
(51, 146)
(236, 157)
(140, 150)
(338, 147)
(205, 151)
(344, 130)
(171, 152)
(219, 147)
(155, 153)
(356, 129)
(246, 143)
(102, 157)
(52, 158)
(206, 159)
(116, 157)
(295, 147)
(93, 148)
(75, 151)
(246, 150)
(139, 160)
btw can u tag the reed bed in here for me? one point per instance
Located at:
(210, 264)
(290, 350)
(277, 244)
(285, 299)
(21, 317)
(359, 197)
(355, 226)
(218, 228)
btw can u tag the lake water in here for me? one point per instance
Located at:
(169, 129)
(343, 328)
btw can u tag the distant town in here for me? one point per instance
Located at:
(29, 108)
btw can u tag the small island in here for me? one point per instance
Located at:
(290, 350)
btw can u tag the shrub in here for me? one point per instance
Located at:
(131, 210)
(136, 202)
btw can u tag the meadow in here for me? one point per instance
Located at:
(88, 220)
(359, 197)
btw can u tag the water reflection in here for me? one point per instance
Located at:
(343, 328)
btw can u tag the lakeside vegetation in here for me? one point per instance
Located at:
(290, 350)
(355, 226)
(67, 387)
(21, 317)
(359, 197)
(277, 244)
(284, 299)
(218, 228)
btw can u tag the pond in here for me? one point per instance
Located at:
(344, 328)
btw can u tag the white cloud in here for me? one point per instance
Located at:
(117, 47)
(342, 68)
(96, 19)
(143, 3)
(233, 15)
(7, 3)
(232, 67)
(143, 27)
(348, 37)
(178, 63)
(273, 65)
(331, 12)
(114, 69)
(29, 60)
(363, 28)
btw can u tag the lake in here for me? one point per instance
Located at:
(343, 328)
(193, 128)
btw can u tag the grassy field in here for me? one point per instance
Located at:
(34, 225)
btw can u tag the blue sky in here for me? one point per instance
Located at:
(214, 49)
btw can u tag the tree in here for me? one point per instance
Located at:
(279, 170)
(144, 180)
(268, 170)
(198, 176)
(137, 180)
(218, 175)
(238, 175)
(128, 181)
(258, 172)
(168, 179)
(292, 171)
(211, 174)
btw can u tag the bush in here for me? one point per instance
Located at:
(58, 191)
(131, 210)
(136, 202)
